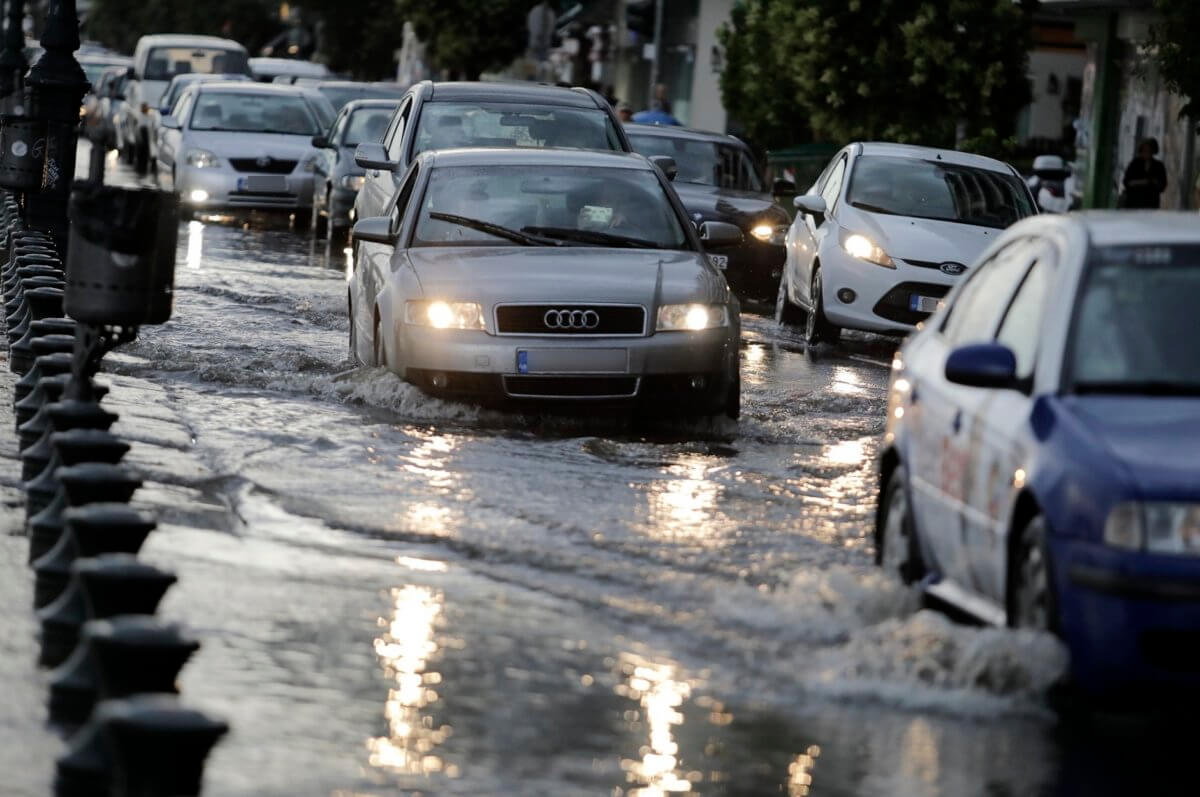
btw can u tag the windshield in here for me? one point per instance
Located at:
(940, 191)
(1135, 326)
(253, 113)
(338, 96)
(165, 63)
(557, 204)
(366, 124)
(703, 162)
(450, 125)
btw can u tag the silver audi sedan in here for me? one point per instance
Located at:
(242, 146)
(546, 275)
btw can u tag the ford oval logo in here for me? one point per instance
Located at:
(953, 269)
(263, 161)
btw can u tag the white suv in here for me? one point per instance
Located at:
(886, 231)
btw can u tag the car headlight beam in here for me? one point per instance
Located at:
(770, 233)
(691, 317)
(202, 159)
(1162, 527)
(863, 248)
(445, 315)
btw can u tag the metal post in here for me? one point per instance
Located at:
(55, 89)
(658, 37)
(12, 60)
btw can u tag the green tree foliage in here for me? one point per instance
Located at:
(1177, 50)
(120, 23)
(468, 37)
(900, 70)
(357, 37)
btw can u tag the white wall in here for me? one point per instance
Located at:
(1046, 118)
(706, 111)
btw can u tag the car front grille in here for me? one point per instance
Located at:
(894, 306)
(272, 166)
(571, 387)
(567, 319)
(935, 264)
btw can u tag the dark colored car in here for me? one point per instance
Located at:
(340, 92)
(718, 180)
(336, 177)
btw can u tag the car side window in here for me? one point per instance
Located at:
(1020, 328)
(976, 311)
(833, 185)
(396, 144)
(336, 129)
(182, 106)
(400, 201)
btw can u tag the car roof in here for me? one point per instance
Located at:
(364, 85)
(251, 87)
(690, 133)
(204, 77)
(533, 156)
(933, 153)
(187, 40)
(105, 58)
(534, 93)
(372, 102)
(1127, 227)
(289, 66)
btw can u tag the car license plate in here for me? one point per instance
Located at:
(719, 261)
(263, 184)
(572, 361)
(923, 304)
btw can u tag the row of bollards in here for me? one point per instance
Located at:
(71, 294)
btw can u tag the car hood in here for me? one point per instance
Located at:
(250, 145)
(743, 208)
(565, 274)
(921, 239)
(1155, 438)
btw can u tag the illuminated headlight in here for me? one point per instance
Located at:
(202, 159)
(445, 315)
(353, 181)
(770, 233)
(693, 317)
(198, 195)
(864, 248)
(1158, 527)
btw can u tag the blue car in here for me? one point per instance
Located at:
(1041, 465)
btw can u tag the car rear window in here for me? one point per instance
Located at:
(703, 162)
(165, 63)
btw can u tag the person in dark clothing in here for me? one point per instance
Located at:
(1145, 177)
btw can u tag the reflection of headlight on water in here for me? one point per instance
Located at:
(195, 244)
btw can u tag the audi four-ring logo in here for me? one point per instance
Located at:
(571, 319)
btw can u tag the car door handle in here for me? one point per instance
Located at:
(956, 424)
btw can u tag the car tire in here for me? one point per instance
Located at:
(377, 346)
(817, 328)
(319, 222)
(1032, 602)
(301, 219)
(896, 549)
(141, 156)
(733, 398)
(353, 343)
(786, 313)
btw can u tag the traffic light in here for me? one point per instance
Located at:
(639, 20)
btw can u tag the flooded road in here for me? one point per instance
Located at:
(404, 595)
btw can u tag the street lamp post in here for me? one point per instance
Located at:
(54, 93)
(12, 59)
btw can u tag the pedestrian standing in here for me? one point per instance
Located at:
(624, 112)
(1145, 177)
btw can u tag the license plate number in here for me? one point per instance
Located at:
(719, 261)
(572, 361)
(923, 304)
(263, 184)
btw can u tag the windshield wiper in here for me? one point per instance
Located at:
(508, 234)
(873, 208)
(1144, 387)
(592, 237)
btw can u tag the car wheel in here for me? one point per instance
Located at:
(301, 219)
(733, 398)
(377, 345)
(786, 313)
(1032, 603)
(353, 338)
(141, 156)
(320, 222)
(817, 328)
(896, 549)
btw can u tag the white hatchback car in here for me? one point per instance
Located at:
(886, 232)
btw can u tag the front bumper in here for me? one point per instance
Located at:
(224, 191)
(695, 368)
(1131, 620)
(754, 268)
(882, 296)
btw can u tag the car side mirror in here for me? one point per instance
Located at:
(375, 229)
(131, 73)
(320, 141)
(373, 156)
(783, 187)
(811, 204)
(164, 110)
(716, 234)
(667, 164)
(983, 365)
(170, 122)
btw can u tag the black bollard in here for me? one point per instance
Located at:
(26, 395)
(118, 657)
(88, 531)
(101, 587)
(48, 391)
(63, 415)
(16, 308)
(40, 302)
(143, 746)
(93, 482)
(24, 352)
